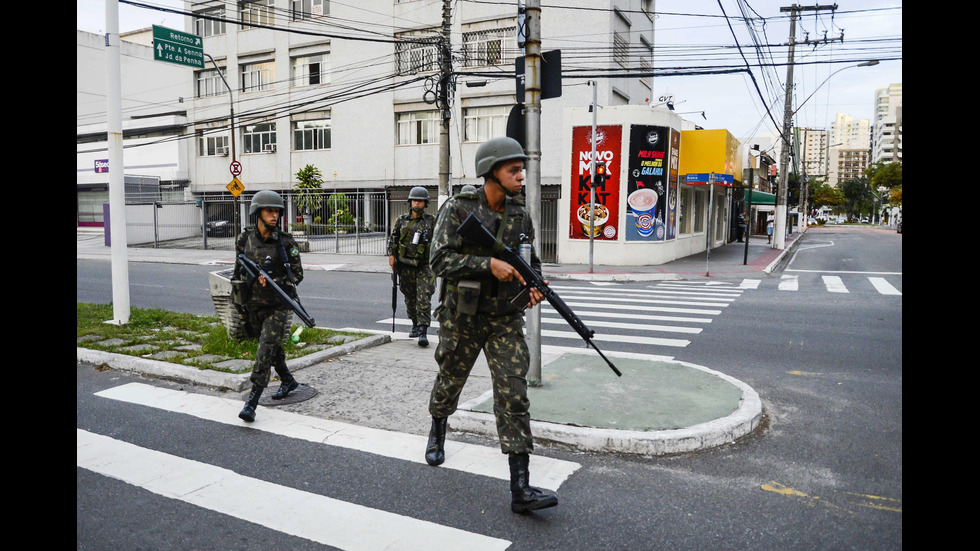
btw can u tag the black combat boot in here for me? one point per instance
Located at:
(415, 330)
(435, 452)
(423, 340)
(525, 497)
(248, 412)
(288, 385)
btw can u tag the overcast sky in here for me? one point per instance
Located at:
(695, 33)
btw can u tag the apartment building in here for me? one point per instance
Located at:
(154, 120)
(886, 138)
(850, 148)
(351, 87)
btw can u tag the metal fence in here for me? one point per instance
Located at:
(341, 222)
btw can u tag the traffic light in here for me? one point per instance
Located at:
(600, 174)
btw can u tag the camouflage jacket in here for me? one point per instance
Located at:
(259, 248)
(455, 259)
(400, 242)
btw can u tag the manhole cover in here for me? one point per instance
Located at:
(301, 394)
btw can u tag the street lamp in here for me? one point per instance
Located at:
(779, 224)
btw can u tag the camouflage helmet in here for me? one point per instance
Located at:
(265, 198)
(419, 193)
(468, 188)
(495, 151)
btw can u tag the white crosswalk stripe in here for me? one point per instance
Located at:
(471, 458)
(834, 284)
(304, 514)
(855, 282)
(319, 518)
(633, 315)
(789, 283)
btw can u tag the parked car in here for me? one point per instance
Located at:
(219, 228)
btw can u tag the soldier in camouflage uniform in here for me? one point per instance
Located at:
(476, 313)
(408, 254)
(266, 318)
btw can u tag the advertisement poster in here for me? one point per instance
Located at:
(609, 141)
(651, 189)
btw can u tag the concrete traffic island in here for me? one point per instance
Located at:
(657, 407)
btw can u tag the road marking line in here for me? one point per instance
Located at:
(789, 283)
(303, 514)
(480, 460)
(750, 284)
(883, 286)
(834, 284)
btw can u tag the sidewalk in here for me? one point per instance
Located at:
(657, 407)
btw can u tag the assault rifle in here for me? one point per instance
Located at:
(472, 229)
(254, 271)
(394, 294)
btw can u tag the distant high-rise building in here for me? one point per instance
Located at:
(886, 139)
(849, 149)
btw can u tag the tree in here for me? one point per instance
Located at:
(308, 184)
(858, 198)
(823, 195)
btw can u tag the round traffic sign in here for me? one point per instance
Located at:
(236, 168)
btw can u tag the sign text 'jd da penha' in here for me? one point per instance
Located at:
(177, 47)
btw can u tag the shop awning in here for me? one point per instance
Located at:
(760, 197)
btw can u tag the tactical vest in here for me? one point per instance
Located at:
(495, 295)
(411, 251)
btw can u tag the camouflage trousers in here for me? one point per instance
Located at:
(501, 338)
(416, 284)
(268, 325)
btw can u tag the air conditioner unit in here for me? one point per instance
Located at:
(269, 147)
(223, 151)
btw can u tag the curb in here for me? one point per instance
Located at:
(229, 381)
(745, 419)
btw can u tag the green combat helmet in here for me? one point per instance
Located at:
(495, 151)
(419, 193)
(266, 198)
(468, 188)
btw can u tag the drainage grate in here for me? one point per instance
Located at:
(301, 394)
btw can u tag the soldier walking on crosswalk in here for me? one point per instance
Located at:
(477, 312)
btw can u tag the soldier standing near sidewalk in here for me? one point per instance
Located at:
(408, 254)
(476, 313)
(265, 316)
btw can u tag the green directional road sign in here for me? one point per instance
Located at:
(177, 47)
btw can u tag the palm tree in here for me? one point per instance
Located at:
(308, 185)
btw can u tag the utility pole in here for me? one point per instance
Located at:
(117, 181)
(445, 81)
(532, 181)
(779, 224)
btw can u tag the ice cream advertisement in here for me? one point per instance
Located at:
(651, 189)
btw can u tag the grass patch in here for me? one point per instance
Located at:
(200, 341)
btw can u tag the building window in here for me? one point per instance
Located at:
(311, 135)
(418, 128)
(482, 123)
(259, 138)
(212, 146)
(621, 49)
(492, 46)
(203, 26)
(257, 12)
(684, 209)
(700, 207)
(258, 76)
(412, 55)
(311, 69)
(209, 83)
(308, 9)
